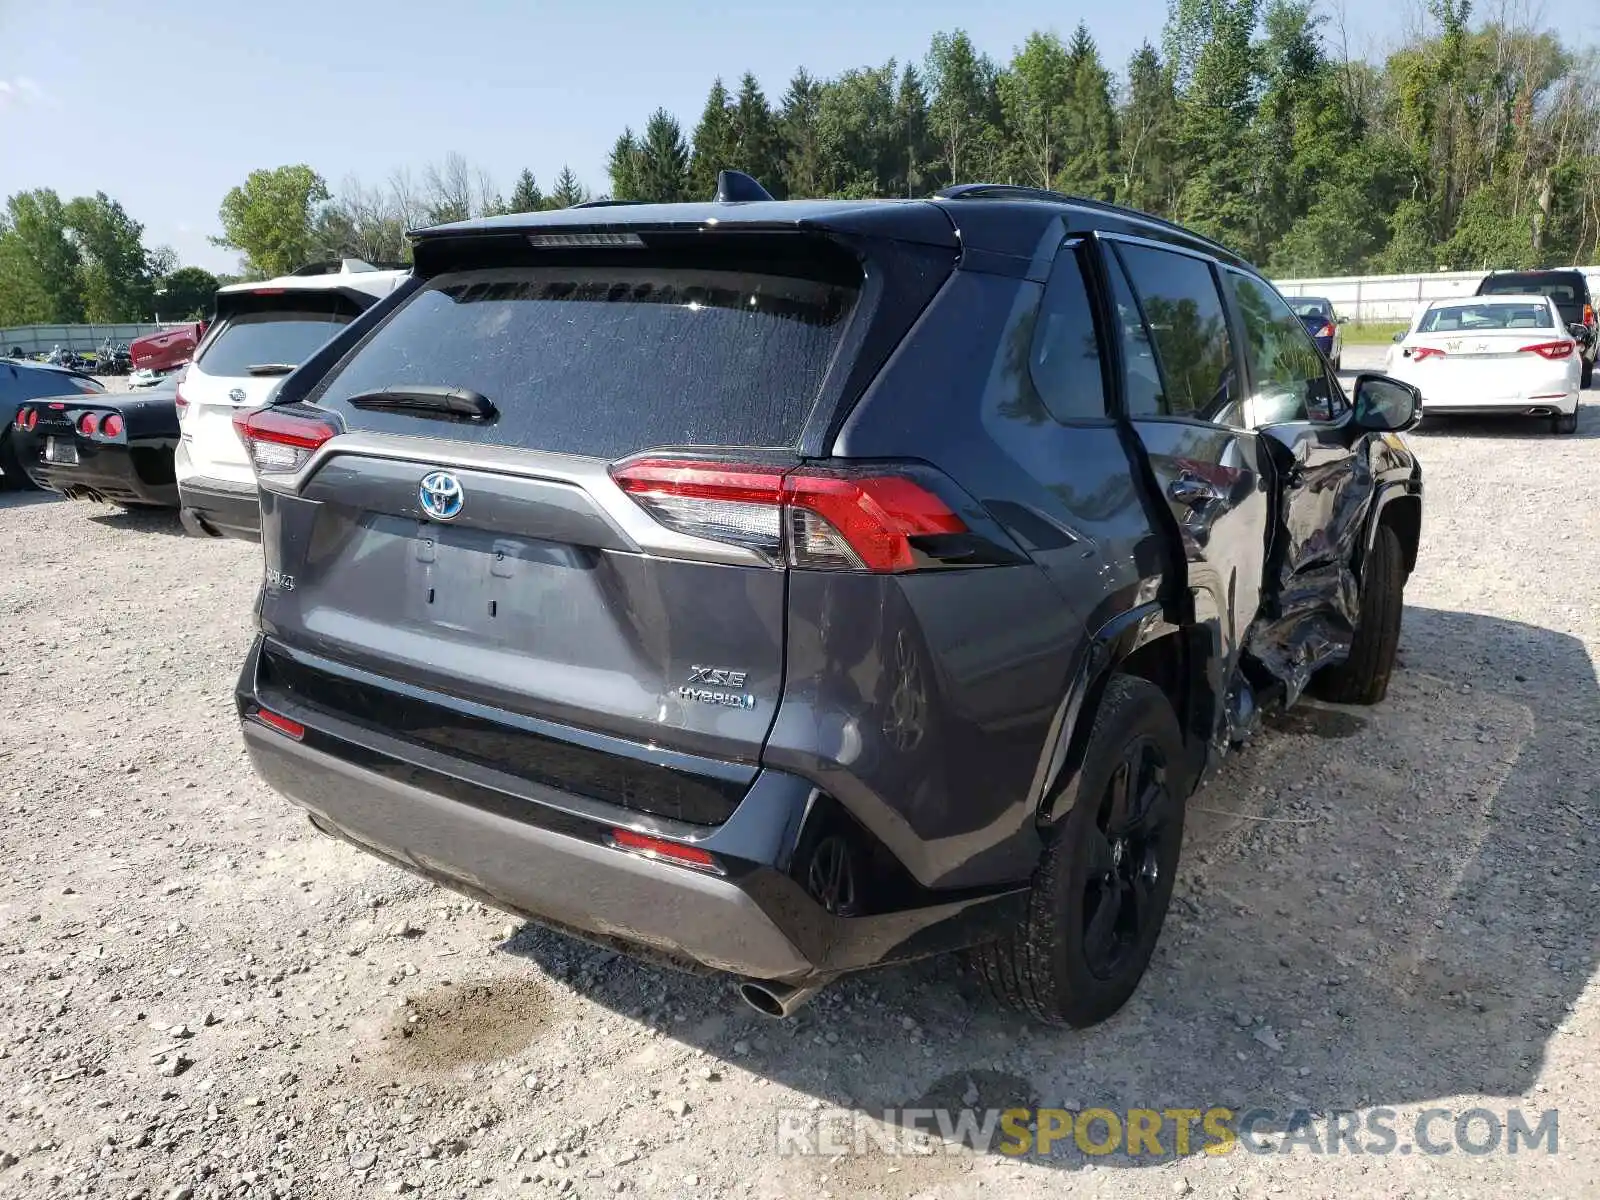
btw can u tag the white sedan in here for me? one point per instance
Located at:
(1492, 356)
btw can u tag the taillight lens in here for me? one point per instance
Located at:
(808, 517)
(1418, 353)
(1326, 330)
(180, 402)
(89, 424)
(112, 425)
(1551, 350)
(1588, 314)
(278, 442)
(26, 418)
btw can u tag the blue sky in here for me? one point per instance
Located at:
(166, 121)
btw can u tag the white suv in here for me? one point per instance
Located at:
(261, 333)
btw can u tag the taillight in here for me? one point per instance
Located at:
(180, 402)
(1551, 350)
(112, 425)
(660, 848)
(279, 442)
(1418, 353)
(88, 424)
(27, 418)
(282, 724)
(1326, 330)
(1588, 315)
(814, 517)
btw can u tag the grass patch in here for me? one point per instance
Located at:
(1376, 333)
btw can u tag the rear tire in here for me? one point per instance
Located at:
(15, 478)
(1101, 891)
(1363, 678)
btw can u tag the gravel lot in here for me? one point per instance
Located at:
(1380, 908)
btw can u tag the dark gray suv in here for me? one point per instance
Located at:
(788, 588)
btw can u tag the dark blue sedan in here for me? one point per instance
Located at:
(1321, 323)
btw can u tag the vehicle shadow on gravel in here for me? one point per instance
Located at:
(142, 520)
(1378, 907)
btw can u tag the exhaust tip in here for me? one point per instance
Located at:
(775, 1000)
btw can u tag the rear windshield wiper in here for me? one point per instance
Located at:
(269, 368)
(423, 400)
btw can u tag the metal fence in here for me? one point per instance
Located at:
(41, 339)
(1368, 298)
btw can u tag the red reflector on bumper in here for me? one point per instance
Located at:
(282, 724)
(654, 847)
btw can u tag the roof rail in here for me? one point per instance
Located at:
(1011, 191)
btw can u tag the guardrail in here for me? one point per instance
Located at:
(1369, 298)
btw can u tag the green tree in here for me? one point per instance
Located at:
(526, 196)
(856, 133)
(963, 112)
(911, 125)
(1035, 93)
(269, 218)
(758, 150)
(1089, 136)
(625, 167)
(798, 115)
(715, 142)
(114, 278)
(39, 262)
(1216, 115)
(567, 191)
(663, 160)
(1146, 144)
(188, 292)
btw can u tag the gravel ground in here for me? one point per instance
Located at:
(1387, 908)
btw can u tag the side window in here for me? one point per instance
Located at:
(1065, 359)
(1141, 375)
(1291, 380)
(1187, 324)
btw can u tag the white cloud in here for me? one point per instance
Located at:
(19, 92)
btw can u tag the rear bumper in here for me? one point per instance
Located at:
(215, 508)
(545, 855)
(112, 473)
(1547, 406)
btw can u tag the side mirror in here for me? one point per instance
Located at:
(1385, 405)
(1580, 331)
(1397, 338)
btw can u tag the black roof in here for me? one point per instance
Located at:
(992, 217)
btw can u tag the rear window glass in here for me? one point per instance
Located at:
(1563, 289)
(606, 361)
(262, 339)
(1464, 318)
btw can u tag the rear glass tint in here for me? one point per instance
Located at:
(259, 339)
(1563, 289)
(605, 361)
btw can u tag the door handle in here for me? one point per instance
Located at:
(1186, 489)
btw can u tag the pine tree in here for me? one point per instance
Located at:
(757, 149)
(802, 167)
(625, 167)
(715, 144)
(1091, 124)
(911, 118)
(663, 160)
(567, 191)
(525, 196)
(1149, 176)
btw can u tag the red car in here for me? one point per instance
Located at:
(168, 349)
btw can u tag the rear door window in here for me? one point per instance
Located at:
(606, 361)
(1183, 312)
(275, 338)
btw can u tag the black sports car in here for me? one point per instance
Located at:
(115, 447)
(21, 382)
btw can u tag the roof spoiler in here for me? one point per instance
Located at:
(733, 187)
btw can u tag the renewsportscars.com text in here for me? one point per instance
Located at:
(1169, 1132)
